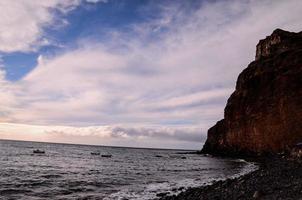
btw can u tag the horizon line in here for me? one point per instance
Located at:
(99, 145)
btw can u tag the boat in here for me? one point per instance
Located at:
(106, 156)
(95, 153)
(38, 151)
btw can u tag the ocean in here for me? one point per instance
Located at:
(68, 171)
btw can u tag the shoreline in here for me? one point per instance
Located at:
(276, 178)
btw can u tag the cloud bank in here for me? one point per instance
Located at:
(152, 137)
(176, 69)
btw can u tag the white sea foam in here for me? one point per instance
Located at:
(175, 187)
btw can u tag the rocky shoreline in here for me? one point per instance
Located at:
(276, 178)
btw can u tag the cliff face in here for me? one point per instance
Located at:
(264, 114)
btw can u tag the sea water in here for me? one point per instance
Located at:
(68, 171)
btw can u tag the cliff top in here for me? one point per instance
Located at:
(279, 41)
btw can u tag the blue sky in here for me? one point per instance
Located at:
(88, 20)
(127, 72)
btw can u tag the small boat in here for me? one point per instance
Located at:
(38, 151)
(106, 156)
(95, 153)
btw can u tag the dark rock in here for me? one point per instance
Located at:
(162, 194)
(181, 188)
(264, 113)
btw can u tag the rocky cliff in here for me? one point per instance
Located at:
(264, 113)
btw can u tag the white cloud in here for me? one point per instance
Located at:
(96, 86)
(8, 99)
(96, 1)
(22, 22)
(182, 76)
(168, 137)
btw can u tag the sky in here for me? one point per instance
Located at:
(139, 73)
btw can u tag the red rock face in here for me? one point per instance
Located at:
(279, 41)
(264, 114)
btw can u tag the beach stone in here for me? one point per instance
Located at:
(256, 195)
